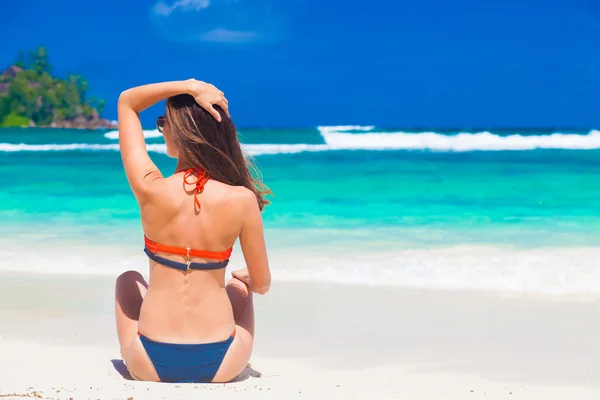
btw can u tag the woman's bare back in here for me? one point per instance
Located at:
(193, 306)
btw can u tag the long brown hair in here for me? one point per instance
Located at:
(213, 146)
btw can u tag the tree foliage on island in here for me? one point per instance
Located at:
(35, 95)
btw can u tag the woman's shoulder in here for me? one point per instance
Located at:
(237, 202)
(237, 194)
(240, 193)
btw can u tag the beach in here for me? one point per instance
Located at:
(315, 340)
(408, 265)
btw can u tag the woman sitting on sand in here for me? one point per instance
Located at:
(186, 325)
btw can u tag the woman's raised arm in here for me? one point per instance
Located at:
(140, 170)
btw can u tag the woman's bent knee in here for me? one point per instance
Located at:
(239, 288)
(130, 281)
(128, 277)
(130, 289)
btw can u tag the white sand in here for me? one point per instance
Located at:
(315, 341)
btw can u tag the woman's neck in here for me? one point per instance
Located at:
(182, 165)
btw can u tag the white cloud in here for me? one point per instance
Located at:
(163, 9)
(218, 21)
(229, 36)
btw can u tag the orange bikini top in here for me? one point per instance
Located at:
(186, 251)
(151, 247)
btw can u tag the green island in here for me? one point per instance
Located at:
(31, 96)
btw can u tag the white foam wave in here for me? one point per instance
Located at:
(258, 149)
(337, 138)
(114, 135)
(149, 134)
(551, 271)
(482, 141)
(252, 149)
(548, 271)
(345, 128)
(11, 147)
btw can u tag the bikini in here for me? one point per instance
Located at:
(187, 362)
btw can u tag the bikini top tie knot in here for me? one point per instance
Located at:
(201, 180)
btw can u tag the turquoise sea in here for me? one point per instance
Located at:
(509, 210)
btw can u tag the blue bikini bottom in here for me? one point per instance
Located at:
(184, 363)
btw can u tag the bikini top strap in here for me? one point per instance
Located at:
(201, 180)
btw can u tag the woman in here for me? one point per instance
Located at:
(186, 325)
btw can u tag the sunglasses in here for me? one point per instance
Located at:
(160, 123)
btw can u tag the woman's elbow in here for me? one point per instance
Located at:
(262, 290)
(124, 97)
(262, 286)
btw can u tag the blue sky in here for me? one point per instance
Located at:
(434, 63)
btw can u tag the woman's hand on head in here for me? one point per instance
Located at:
(207, 95)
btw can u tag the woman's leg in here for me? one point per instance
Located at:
(130, 290)
(239, 352)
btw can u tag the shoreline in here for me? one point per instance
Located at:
(316, 340)
(548, 274)
(516, 295)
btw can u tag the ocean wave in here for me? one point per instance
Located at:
(114, 135)
(548, 271)
(11, 147)
(260, 149)
(345, 128)
(251, 149)
(481, 141)
(339, 138)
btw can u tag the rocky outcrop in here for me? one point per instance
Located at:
(82, 122)
(11, 71)
(79, 122)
